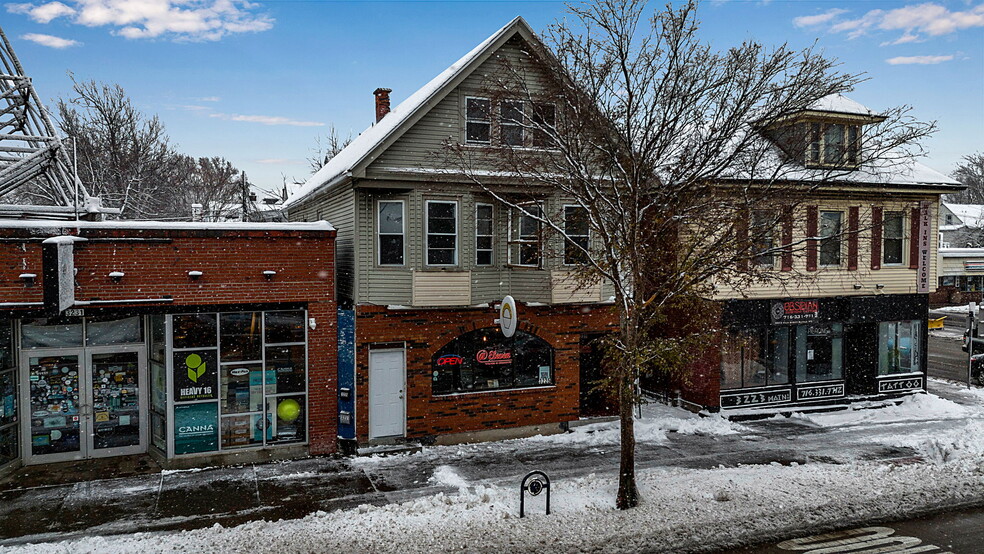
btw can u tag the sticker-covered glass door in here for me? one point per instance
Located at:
(116, 389)
(56, 422)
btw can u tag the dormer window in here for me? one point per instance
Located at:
(832, 145)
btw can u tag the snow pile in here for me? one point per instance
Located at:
(656, 421)
(917, 407)
(960, 445)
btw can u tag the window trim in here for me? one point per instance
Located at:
(815, 153)
(567, 235)
(837, 237)
(518, 124)
(403, 233)
(510, 241)
(901, 238)
(491, 235)
(456, 235)
(472, 120)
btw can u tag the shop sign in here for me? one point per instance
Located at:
(895, 385)
(449, 359)
(795, 311)
(974, 265)
(491, 356)
(508, 316)
(196, 375)
(748, 399)
(196, 428)
(925, 247)
(822, 391)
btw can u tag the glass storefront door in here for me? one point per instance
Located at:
(83, 403)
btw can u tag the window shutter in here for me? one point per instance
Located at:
(852, 238)
(741, 240)
(876, 237)
(787, 238)
(914, 238)
(811, 241)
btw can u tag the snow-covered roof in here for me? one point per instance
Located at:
(972, 215)
(962, 252)
(840, 104)
(174, 225)
(360, 148)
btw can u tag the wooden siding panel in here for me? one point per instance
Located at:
(441, 288)
(565, 289)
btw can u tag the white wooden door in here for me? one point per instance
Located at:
(387, 382)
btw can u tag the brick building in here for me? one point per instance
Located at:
(197, 343)
(425, 256)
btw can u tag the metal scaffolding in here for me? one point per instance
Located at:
(31, 152)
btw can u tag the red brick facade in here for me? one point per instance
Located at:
(424, 332)
(156, 261)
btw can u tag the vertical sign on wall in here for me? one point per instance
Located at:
(924, 247)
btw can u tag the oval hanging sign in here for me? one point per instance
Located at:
(508, 316)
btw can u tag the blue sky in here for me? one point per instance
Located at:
(257, 83)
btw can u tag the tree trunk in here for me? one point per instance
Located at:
(628, 494)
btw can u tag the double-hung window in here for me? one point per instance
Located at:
(391, 232)
(524, 236)
(576, 229)
(544, 118)
(483, 234)
(892, 238)
(511, 122)
(832, 144)
(442, 232)
(763, 237)
(830, 238)
(478, 121)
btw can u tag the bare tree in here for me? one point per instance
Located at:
(684, 162)
(123, 155)
(971, 173)
(212, 182)
(326, 148)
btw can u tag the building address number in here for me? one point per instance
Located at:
(755, 398)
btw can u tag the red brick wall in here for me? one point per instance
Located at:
(426, 331)
(232, 263)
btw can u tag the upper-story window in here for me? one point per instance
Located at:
(511, 122)
(893, 237)
(483, 234)
(442, 232)
(830, 238)
(578, 238)
(524, 236)
(478, 121)
(391, 232)
(832, 144)
(519, 123)
(763, 237)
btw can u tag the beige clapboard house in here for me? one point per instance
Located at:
(849, 319)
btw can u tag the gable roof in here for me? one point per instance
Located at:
(970, 215)
(365, 147)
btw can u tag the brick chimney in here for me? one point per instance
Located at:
(382, 102)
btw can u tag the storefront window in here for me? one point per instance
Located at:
(487, 360)
(819, 352)
(756, 357)
(240, 336)
(194, 330)
(259, 375)
(898, 347)
(45, 333)
(8, 396)
(106, 331)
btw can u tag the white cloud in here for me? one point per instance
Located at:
(904, 39)
(922, 60)
(267, 120)
(210, 99)
(277, 161)
(921, 19)
(42, 13)
(51, 41)
(176, 19)
(818, 19)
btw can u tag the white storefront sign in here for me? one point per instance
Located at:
(508, 316)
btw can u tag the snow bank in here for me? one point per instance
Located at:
(918, 407)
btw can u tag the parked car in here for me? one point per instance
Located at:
(977, 369)
(978, 344)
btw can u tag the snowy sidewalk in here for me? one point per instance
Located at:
(707, 484)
